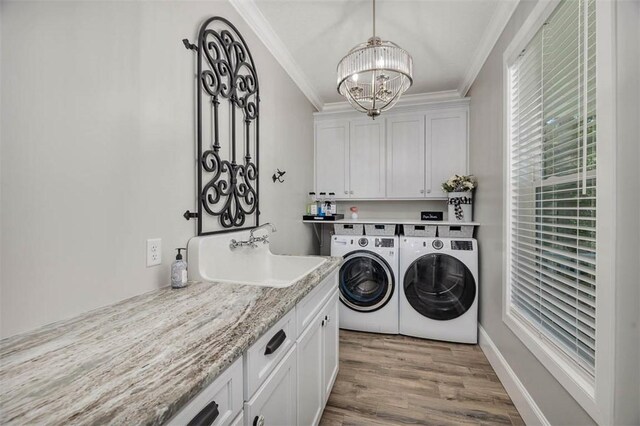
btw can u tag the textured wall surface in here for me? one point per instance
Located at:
(486, 145)
(98, 150)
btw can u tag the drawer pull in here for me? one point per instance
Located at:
(258, 421)
(206, 416)
(275, 342)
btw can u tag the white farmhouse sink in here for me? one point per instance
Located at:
(211, 259)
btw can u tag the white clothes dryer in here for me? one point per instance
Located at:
(439, 288)
(368, 282)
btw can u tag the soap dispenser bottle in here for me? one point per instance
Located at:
(179, 271)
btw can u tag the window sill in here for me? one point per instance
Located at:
(576, 382)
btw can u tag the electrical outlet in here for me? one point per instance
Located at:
(154, 252)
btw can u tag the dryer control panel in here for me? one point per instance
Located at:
(461, 245)
(384, 242)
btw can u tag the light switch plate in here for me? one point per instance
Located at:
(154, 252)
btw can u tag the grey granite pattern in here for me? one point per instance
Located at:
(138, 361)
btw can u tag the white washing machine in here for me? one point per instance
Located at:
(368, 282)
(439, 288)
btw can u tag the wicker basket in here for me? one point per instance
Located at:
(455, 231)
(348, 229)
(380, 230)
(420, 230)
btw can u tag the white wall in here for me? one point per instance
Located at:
(97, 151)
(627, 375)
(486, 145)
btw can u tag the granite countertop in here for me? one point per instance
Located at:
(138, 361)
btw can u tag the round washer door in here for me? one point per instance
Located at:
(366, 281)
(439, 286)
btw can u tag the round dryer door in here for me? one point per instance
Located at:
(366, 281)
(439, 286)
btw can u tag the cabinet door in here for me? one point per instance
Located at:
(332, 158)
(274, 403)
(447, 149)
(367, 159)
(310, 384)
(330, 345)
(223, 396)
(405, 156)
(238, 421)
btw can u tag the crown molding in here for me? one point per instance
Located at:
(496, 25)
(404, 101)
(252, 15)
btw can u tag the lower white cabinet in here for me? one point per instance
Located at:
(265, 354)
(238, 421)
(317, 363)
(284, 378)
(310, 374)
(330, 346)
(274, 403)
(218, 404)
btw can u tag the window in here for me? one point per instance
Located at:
(552, 185)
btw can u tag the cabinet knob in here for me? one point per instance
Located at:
(323, 323)
(351, 192)
(422, 191)
(346, 192)
(258, 421)
(428, 191)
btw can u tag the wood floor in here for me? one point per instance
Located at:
(391, 380)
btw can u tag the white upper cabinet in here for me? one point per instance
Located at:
(332, 157)
(367, 159)
(446, 148)
(405, 156)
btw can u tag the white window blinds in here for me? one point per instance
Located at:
(553, 182)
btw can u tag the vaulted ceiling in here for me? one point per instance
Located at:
(448, 39)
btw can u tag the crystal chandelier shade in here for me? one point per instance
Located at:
(373, 75)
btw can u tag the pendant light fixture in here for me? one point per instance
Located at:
(373, 75)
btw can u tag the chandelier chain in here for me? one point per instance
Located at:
(374, 19)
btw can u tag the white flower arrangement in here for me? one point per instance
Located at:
(460, 183)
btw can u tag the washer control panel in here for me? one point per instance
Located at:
(363, 242)
(437, 244)
(461, 245)
(384, 242)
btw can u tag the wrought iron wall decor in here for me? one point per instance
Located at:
(228, 100)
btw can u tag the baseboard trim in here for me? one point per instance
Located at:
(527, 407)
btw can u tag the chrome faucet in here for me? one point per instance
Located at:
(252, 241)
(265, 238)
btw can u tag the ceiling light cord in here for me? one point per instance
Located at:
(374, 19)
